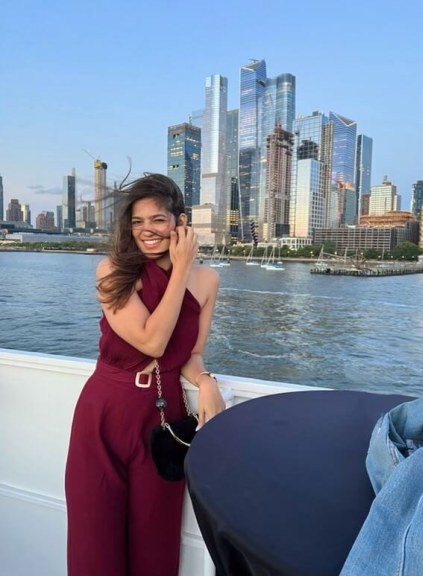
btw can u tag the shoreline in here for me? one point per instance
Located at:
(94, 252)
(201, 258)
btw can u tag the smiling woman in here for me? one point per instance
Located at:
(163, 200)
(152, 226)
(157, 310)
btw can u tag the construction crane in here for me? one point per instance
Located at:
(89, 154)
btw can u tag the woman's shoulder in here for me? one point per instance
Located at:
(206, 280)
(206, 274)
(104, 267)
(204, 284)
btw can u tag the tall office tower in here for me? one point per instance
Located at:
(69, 201)
(101, 199)
(363, 171)
(279, 103)
(213, 154)
(1, 199)
(85, 216)
(417, 199)
(45, 221)
(278, 184)
(384, 198)
(89, 214)
(252, 89)
(232, 173)
(59, 218)
(311, 174)
(343, 192)
(184, 162)
(278, 108)
(14, 211)
(26, 214)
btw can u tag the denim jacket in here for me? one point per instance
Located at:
(390, 542)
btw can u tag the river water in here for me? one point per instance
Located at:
(290, 325)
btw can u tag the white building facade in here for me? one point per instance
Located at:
(384, 198)
(213, 155)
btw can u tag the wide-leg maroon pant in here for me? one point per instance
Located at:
(123, 519)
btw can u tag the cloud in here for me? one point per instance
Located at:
(37, 189)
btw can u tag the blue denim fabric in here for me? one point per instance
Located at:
(396, 436)
(390, 542)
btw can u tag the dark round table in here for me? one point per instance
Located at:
(279, 485)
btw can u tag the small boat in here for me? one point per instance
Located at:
(250, 261)
(224, 260)
(270, 264)
(264, 258)
(215, 261)
(219, 259)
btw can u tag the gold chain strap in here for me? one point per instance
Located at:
(160, 397)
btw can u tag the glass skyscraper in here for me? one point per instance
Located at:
(26, 214)
(417, 199)
(232, 173)
(343, 190)
(1, 199)
(311, 173)
(100, 194)
(184, 161)
(59, 217)
(14, 211)
(252, 89)
(69, 201)
(278, 110)
(279, 103)
(363, 170)
(213, 153)
(309, 202)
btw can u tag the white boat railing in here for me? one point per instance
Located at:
(38, 393)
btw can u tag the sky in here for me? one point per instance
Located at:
(83, 79)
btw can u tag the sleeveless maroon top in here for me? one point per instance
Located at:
(115, 351)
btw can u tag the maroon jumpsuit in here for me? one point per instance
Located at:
(123, 519)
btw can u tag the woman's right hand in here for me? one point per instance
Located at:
(183, 247)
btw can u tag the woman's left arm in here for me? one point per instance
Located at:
(210, 401)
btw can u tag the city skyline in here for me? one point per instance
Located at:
(111, 90)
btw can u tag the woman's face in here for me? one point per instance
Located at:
(151, 226)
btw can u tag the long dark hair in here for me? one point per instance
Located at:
(125, 257)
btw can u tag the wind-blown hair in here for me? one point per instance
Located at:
(126, 258)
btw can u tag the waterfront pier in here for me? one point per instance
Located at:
(377, 270)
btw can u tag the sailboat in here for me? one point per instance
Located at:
(271, 264)
(224, 260)
(215, 260)
(218, 259)
(279, 256)
(321, 261)
(264, 258)
(250, 261)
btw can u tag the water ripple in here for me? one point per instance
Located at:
(295, 327)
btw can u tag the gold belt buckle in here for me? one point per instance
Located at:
(140, 384)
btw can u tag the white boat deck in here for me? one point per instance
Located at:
(37, 397)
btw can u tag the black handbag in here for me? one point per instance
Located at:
(169, 441)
